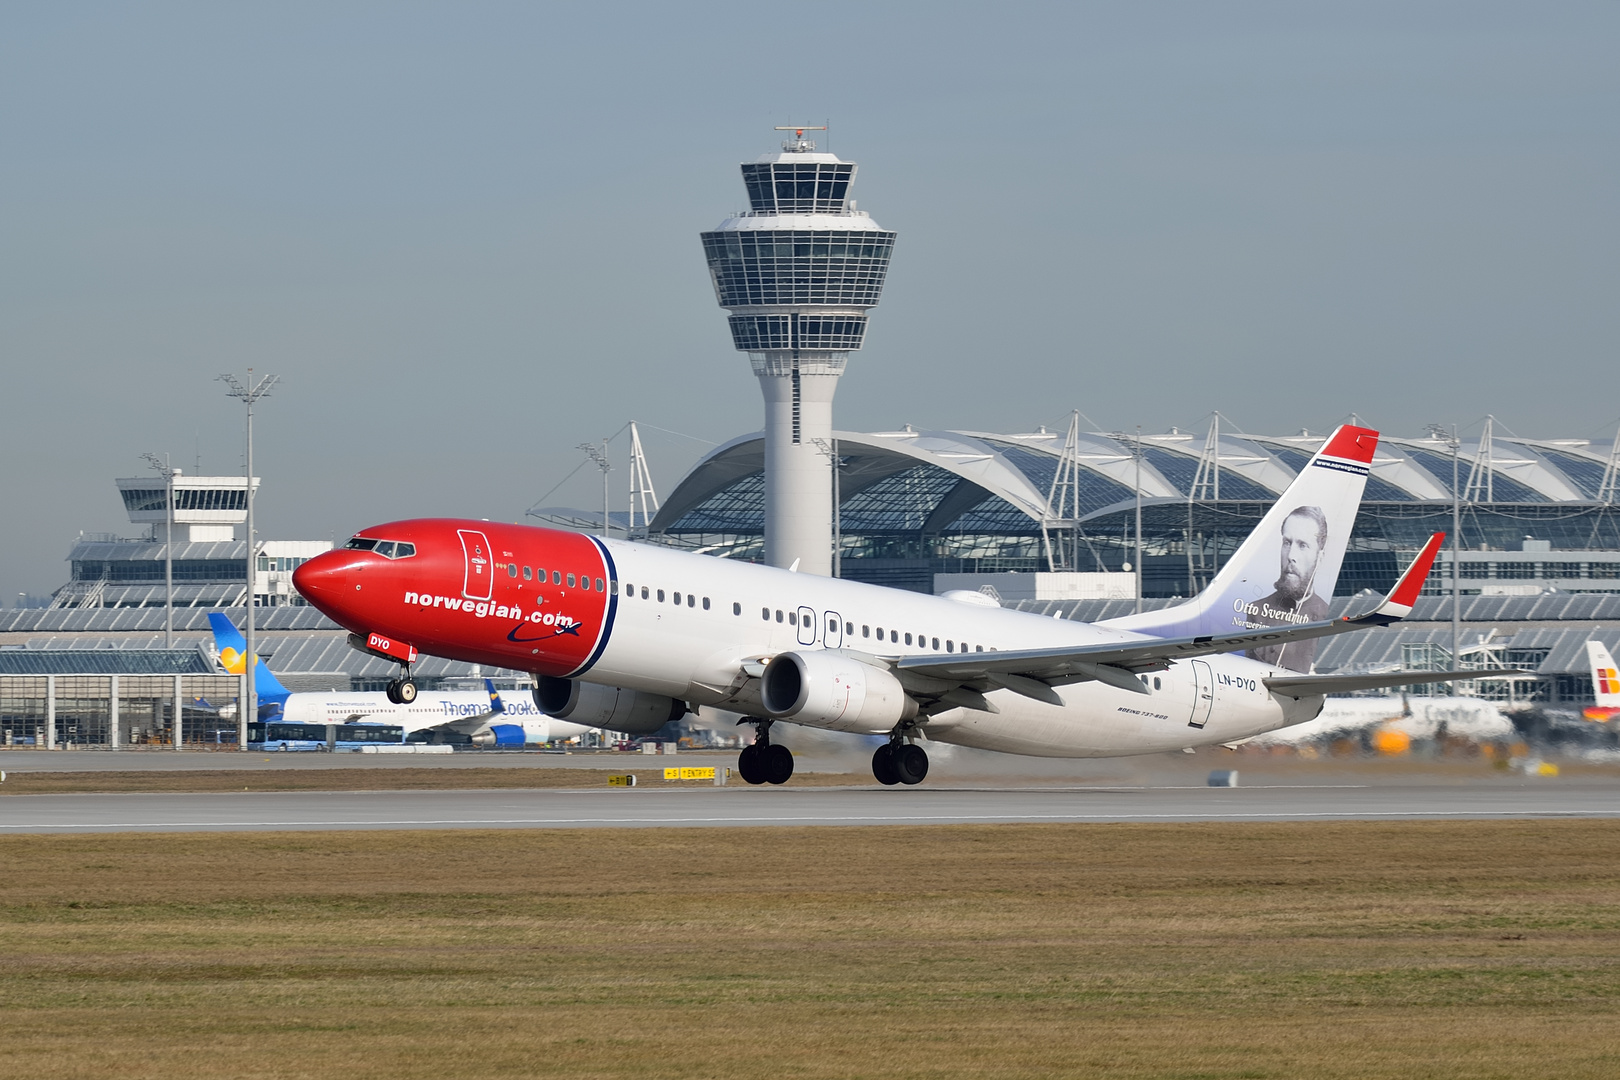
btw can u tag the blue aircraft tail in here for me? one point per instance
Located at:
(232, 649)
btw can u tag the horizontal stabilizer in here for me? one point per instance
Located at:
(1298, 686)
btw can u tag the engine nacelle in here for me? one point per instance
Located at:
(509, 735)
(611, 707)
(834, 690)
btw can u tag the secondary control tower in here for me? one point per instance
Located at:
(798, 271)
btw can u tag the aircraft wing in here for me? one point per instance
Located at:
(1298, 686)
(469, 725)
(1033, 672)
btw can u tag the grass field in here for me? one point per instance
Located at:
(1459, 949)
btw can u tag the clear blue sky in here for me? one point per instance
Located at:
(465, 234)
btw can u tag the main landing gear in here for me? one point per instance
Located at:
(897, 762)
(762, 761)
(401, 691)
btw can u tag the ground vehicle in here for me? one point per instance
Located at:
(282, 736)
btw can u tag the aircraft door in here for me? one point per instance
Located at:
(1203, 693)
(834, 637)
(807, 626)
(478, 578)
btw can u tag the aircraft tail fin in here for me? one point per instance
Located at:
(496, 705)
(1286, 570)
(233, 648)
(1605, 676)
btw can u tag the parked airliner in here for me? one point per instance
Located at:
(629, 636)
(484, 716)
(1605, 683)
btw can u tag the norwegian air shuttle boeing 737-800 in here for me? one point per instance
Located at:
(628, 636)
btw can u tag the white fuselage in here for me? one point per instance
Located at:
(467, 711)
(733, 613)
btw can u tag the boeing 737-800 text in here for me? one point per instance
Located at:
(628, 636)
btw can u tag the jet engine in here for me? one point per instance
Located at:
(611, 707)
(834, 690)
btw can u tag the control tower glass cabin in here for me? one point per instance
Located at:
(798, 271)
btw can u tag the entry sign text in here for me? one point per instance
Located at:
(690, 773)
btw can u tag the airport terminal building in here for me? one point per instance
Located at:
(1536, 515)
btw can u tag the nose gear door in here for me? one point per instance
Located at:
(1203, 693)
(834, 637)
(478, 580)
(807, 626)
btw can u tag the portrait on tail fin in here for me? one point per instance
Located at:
(1294, 598)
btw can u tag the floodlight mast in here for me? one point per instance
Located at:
(168, 545)
(248, 394)
(798, 272)
(1454, 443)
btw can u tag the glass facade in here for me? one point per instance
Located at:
(187, 499)
(899, 503)
(1182, 469)
(794, 187)
(827, 333)
(1584, 474)
(123, 570)
(1094, 489)
(776, 267)
(146, 709)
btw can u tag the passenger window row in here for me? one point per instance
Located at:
(675, 597)
(791, 618)
(575, 581)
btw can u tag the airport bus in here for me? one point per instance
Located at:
(279, 736)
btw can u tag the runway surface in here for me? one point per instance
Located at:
(831, 806)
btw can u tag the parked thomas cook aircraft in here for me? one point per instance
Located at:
(628, 636)
(1605, 683)
(482, 715)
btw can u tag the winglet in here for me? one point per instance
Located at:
(1352, 444)
(496, 705)
(1403, 597)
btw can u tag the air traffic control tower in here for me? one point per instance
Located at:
(798, 271)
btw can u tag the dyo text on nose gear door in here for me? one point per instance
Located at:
(475, 552)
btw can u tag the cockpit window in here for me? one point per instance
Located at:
(388, 549)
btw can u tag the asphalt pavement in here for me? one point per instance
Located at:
(705, 806)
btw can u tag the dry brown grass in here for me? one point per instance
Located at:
(373, 779)
(1459, 949)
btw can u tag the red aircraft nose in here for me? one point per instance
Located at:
(324, 581)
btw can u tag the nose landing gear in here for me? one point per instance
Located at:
(762, 761)
(897, 762)
(401, 691)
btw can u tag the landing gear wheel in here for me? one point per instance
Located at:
(778, 761)
(750, 765)
(883, 766)
(391, 691)
(910, 763)
(405, 694)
